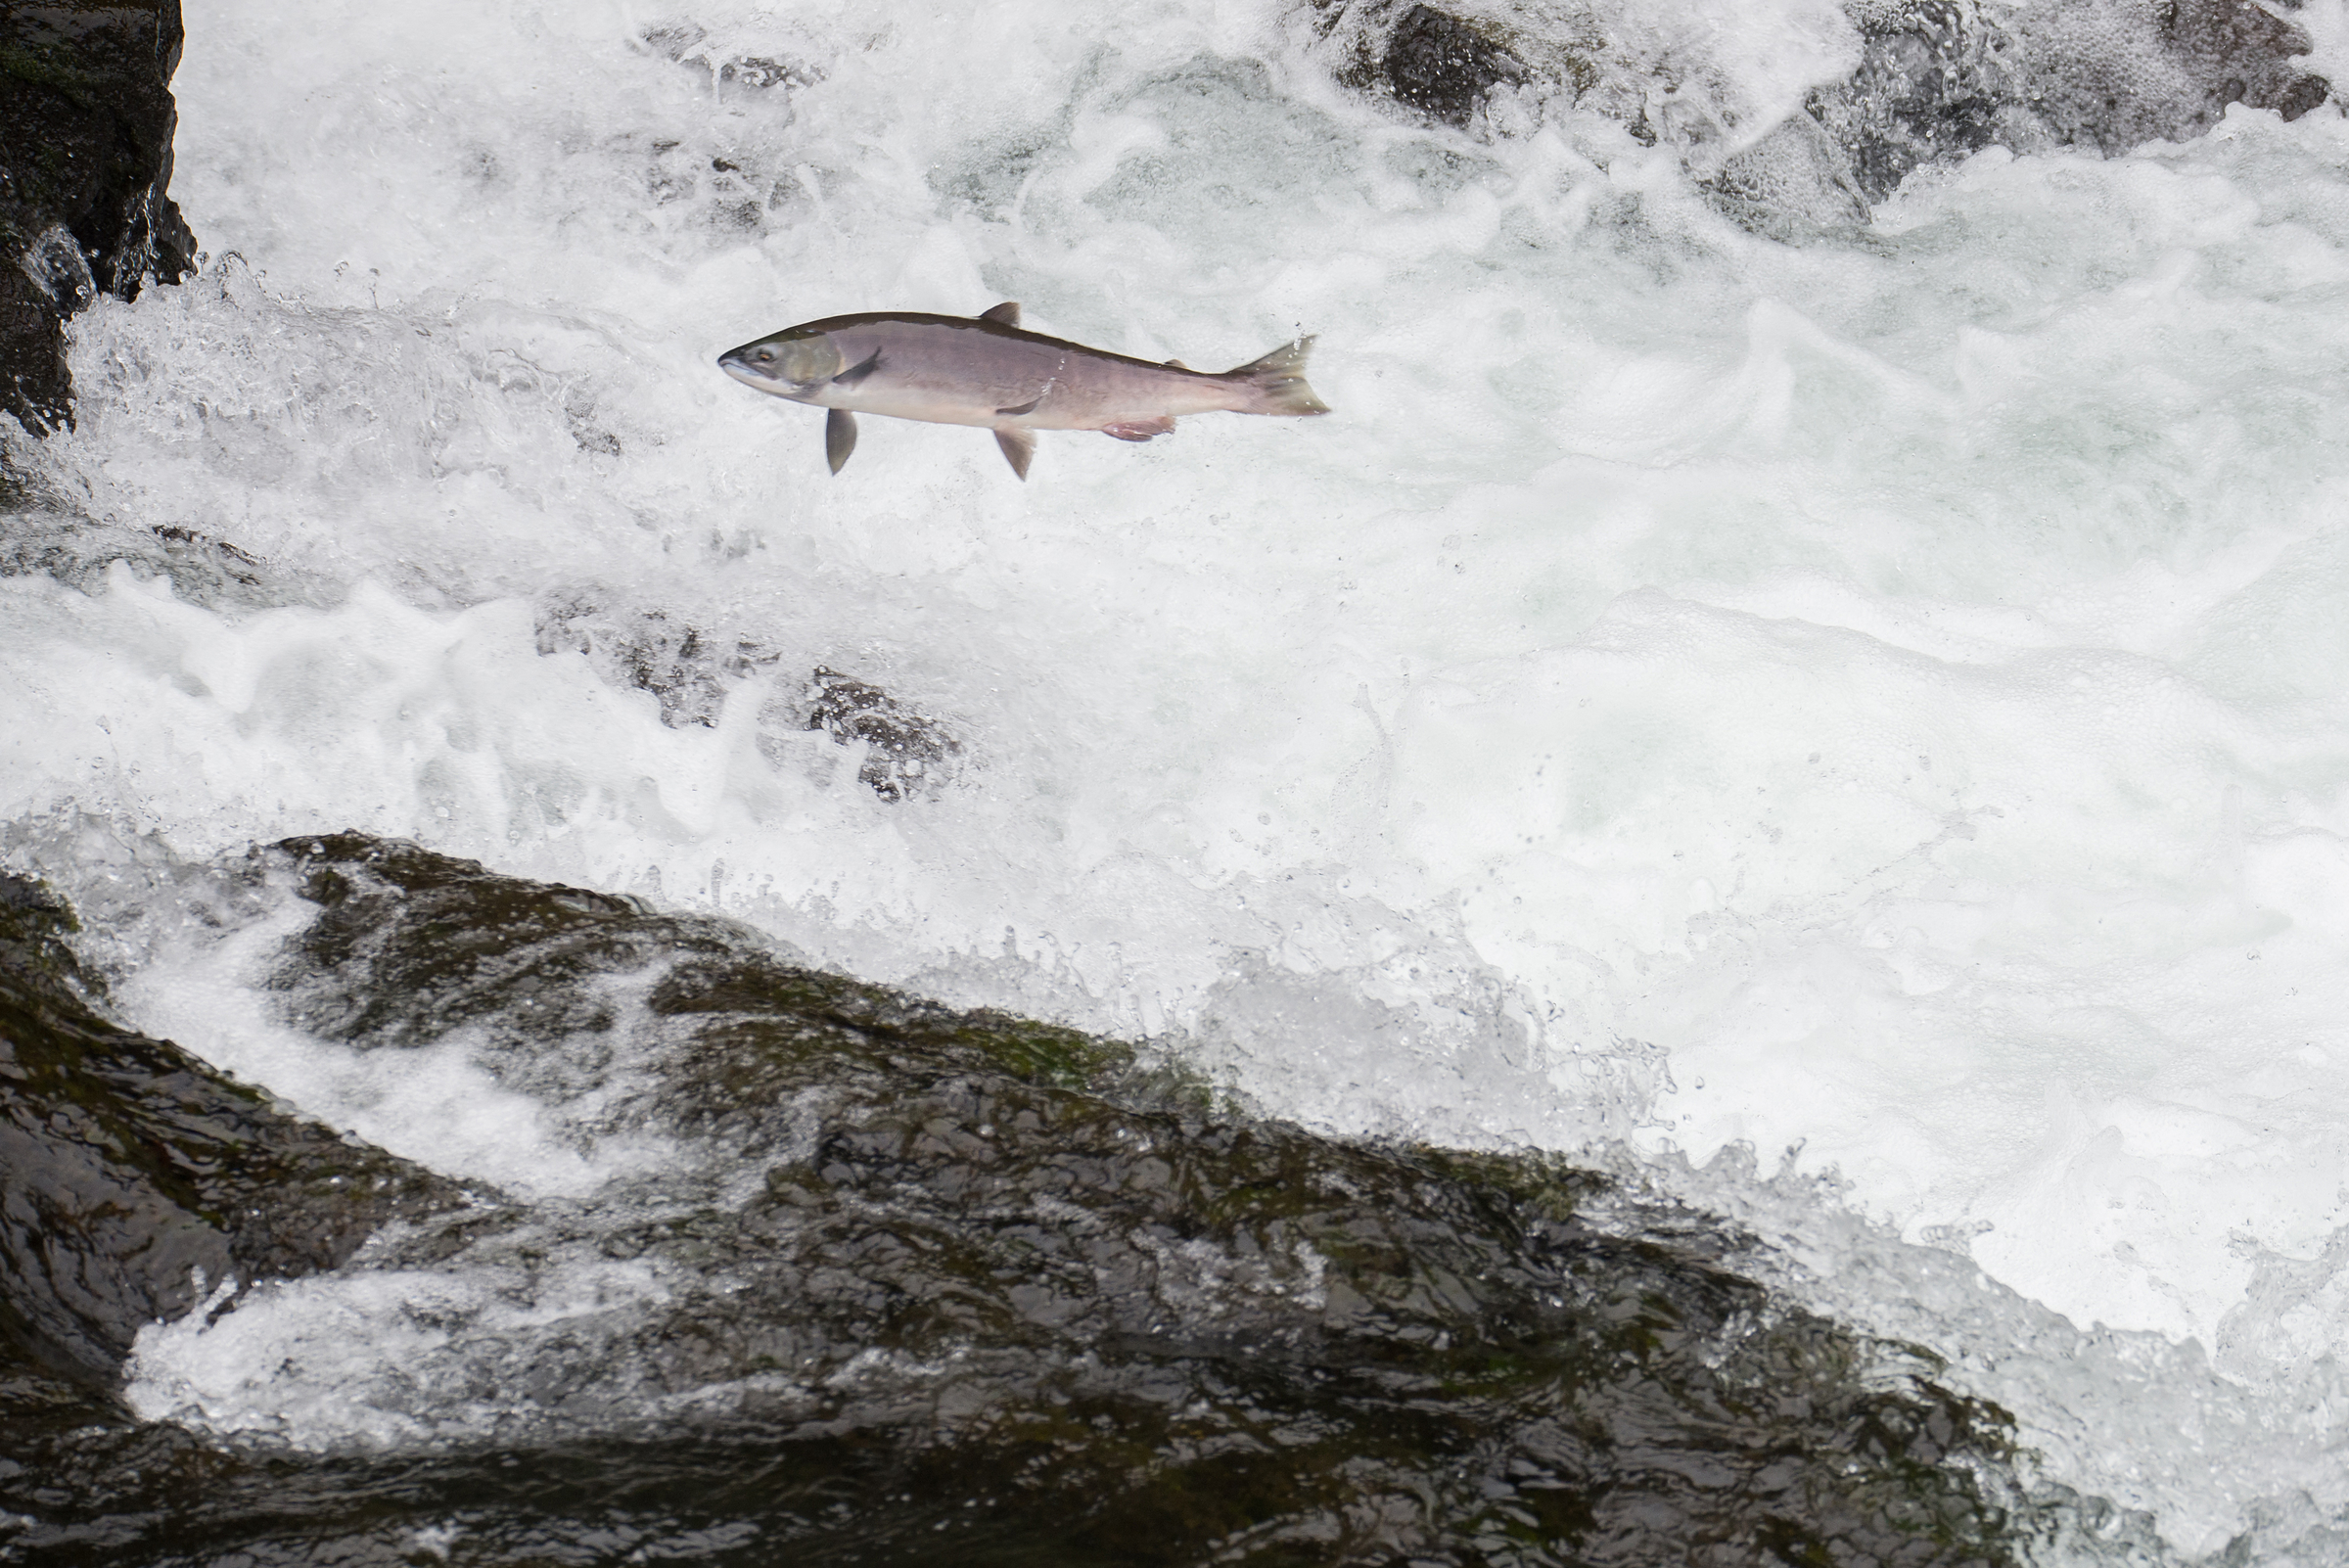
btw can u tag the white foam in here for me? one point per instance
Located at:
(390, 1356)
(445, 1103)
(1899, 686)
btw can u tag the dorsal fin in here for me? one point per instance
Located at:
(1176, 365)
(1006, 314)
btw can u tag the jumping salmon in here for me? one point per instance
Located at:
(985, 370)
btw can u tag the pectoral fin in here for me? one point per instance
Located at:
(857, 373)
(840, 437)
(1006, 314)
(1141, 429)
(1019, 448)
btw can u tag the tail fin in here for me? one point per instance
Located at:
(1278, 382)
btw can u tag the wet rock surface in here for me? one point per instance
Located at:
(45, 540)
(905, 754)
(86, 119)
(1937, 80)
(689, 670)
(910, 1285)
(1444, 65)
(1943, 78)
(133, 1173)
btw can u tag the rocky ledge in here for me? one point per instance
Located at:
(886, 1282)
(1935, 80)
(86, 119)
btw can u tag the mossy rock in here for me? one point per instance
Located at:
(952, 1287)
(135, 1173)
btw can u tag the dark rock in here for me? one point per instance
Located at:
(39, 538)
(85, 158)
(1935, 83)
(1446, 65)
(692, 672)
(689, 670)
(1442, 64)
(131, 1173)
(954, 1287)
(1943, 78)
(2239, 52)
(906, 753)
(1938, 79)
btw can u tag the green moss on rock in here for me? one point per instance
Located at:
(134, 1172)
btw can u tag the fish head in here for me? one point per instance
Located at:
(790, 363)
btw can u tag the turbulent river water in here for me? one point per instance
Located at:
(1844, 726)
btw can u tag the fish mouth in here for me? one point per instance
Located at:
(750, 374)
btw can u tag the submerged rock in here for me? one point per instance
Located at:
(85, 158)
(136, 1177)
(1935, 80)
(1943, 78)
(1444, 65)
(691, 672)
(688, 671)
(52, 541)
(906, 1284)
(906, 753)
(1447, 61)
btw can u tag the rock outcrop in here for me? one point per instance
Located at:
(1942, 79)
(911, 1285)
(133, 1177)
(86, 119)
(691, 672)
(1936, 81)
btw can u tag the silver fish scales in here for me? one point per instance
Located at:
(987, 370)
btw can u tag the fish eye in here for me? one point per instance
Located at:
(766, 354)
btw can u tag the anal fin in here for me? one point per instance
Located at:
(1141, 429)
(840, 437)
(1019, 448)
